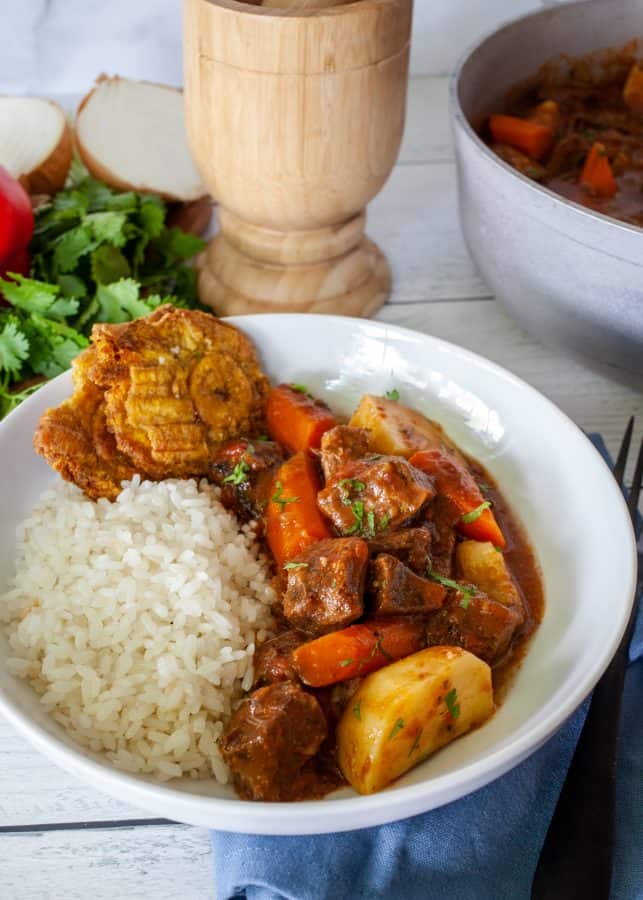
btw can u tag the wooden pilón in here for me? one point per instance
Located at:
(295, 119)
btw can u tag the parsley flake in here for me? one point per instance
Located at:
(346, 662)
(278, 497)
(475, 514)
(467, 591)
(239, 474)
(394, 395)
(289, 566)
(299, 388)
(416, 743)
(395, 730)
(346, 485)
(451, 701)
(357, 710)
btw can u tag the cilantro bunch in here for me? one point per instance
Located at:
(98, 255)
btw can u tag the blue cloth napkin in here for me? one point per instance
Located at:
(482, 847)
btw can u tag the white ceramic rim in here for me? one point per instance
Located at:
(319, 817)
(459, 119)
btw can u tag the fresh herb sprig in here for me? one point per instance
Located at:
(98, 255)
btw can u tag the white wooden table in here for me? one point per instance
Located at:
(59, 838)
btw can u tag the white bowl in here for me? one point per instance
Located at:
(552, 476)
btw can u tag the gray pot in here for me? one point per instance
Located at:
(569, 275)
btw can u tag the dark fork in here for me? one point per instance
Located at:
(576, 858)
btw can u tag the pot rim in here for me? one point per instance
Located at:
(459, 119)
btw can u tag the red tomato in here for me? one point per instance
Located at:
(16, 218)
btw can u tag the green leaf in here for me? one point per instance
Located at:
(151, 215)
(176, 244)
(108, 264)
(395, 730)
(394, 394)
(14, 347)
(53, 345)
(71, 246)
(33, 296)
(120, 301)
(451, 701)
(107, 227)
(72, 286)
(475, 514)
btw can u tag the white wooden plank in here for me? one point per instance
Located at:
(427, 137)
(594, 402)
(165, 862)
(35, 791)
(415, 222)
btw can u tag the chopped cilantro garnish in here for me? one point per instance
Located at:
(280, 499)
(393, 394)
(346, 662)
(395, 730)
(357, 508)
(451, 701)
(416, 743)
(239, 474)
(370, 520)
(475, 514)
(299, 388)
(384, 522)
(357, 710)
(346, 485)
(295, 565)
(467, 591)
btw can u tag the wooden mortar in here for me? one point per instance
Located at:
(295, 118)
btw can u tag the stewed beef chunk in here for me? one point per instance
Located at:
(442, 517)
(270, 738)
(244, 471)
(341, 445)
(396, 590)
(411, 546)
(272, 659)
(375, 495)
(473, 621)
(325, 589)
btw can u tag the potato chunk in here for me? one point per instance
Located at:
(408, 710)
(481, 564)
(395, 429)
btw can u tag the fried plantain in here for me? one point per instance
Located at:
(156, 396)
(74, 440)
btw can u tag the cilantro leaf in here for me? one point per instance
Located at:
(475, 514)
(151, 215)
(72, 286)
(14, 347)
(176, 244)
(53, 345)
(107, 227)
(33, 296)
(71, 246)
(108, 264)
(120, 301)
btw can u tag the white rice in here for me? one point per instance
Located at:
(136, 621)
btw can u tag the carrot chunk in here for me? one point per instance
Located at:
(295, 419)
(532, 138)
(293, 521)
(597, 173)
(357, 650)
(454, 480)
